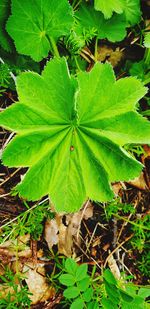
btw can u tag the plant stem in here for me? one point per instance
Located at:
(147, 56)
(54, 47)
(131, 222)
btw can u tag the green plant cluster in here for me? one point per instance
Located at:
(85, 291)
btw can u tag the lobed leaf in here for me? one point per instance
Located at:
(113, 29)
(70, 133)
(108, 7)
(38, 22)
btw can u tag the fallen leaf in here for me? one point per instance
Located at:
(63, 229)
(37, 283)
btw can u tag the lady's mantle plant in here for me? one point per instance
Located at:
(70, 132)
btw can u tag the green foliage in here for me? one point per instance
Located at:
(130, 8)
(108, 7)
(36, 26)
(18, 295)
(5, 40)
(74, 130)
(113, 29)
(29, 221)
(99, 292)
(141, 233)
(77, 281)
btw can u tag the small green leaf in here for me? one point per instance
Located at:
(84, 283)
(71, 266)
(71, 292)
(88, 294)
(34, 25)
(109, 277)
(125, 296)
(81, 272)
(108, 304)
(144, 292)
(67, 279)
(78, 303)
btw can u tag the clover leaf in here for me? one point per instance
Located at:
(35, 26)
(70, 132)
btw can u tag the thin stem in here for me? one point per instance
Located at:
(54, 47)
(131, 222)
(11, 74)
(147, 56)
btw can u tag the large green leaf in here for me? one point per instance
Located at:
(34, 25)
(114, 29)
(108, 7)
(130, 8)
(70, 133)
(5, 40)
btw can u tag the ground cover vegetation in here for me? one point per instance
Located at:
(75, 154)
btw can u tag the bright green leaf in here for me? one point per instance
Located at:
(71, 292)
(109, 277)
(88, 294)
(67, 279)
(108, 7)
(71, 266)
(125, 296)
(70, 133)
(81, 272)
(113, 29)
(84, 284)
(35, 24)
(78, 303)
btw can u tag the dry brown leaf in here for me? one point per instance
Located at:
(56, 232)
(51, 232)
(107, 53)
(113, 267)
(37, 283)
(139, 182)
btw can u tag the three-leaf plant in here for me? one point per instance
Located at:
(70, 132)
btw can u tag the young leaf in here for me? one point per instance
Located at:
(108, 7)
(70, 133)
(88, 294)
(81, 272)
(67, 279)
(84, 283)
(71, 266)
(34, 25)
(113, 29)
(5, 40)
(109, 277)
(71, 292)
(78, 303)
